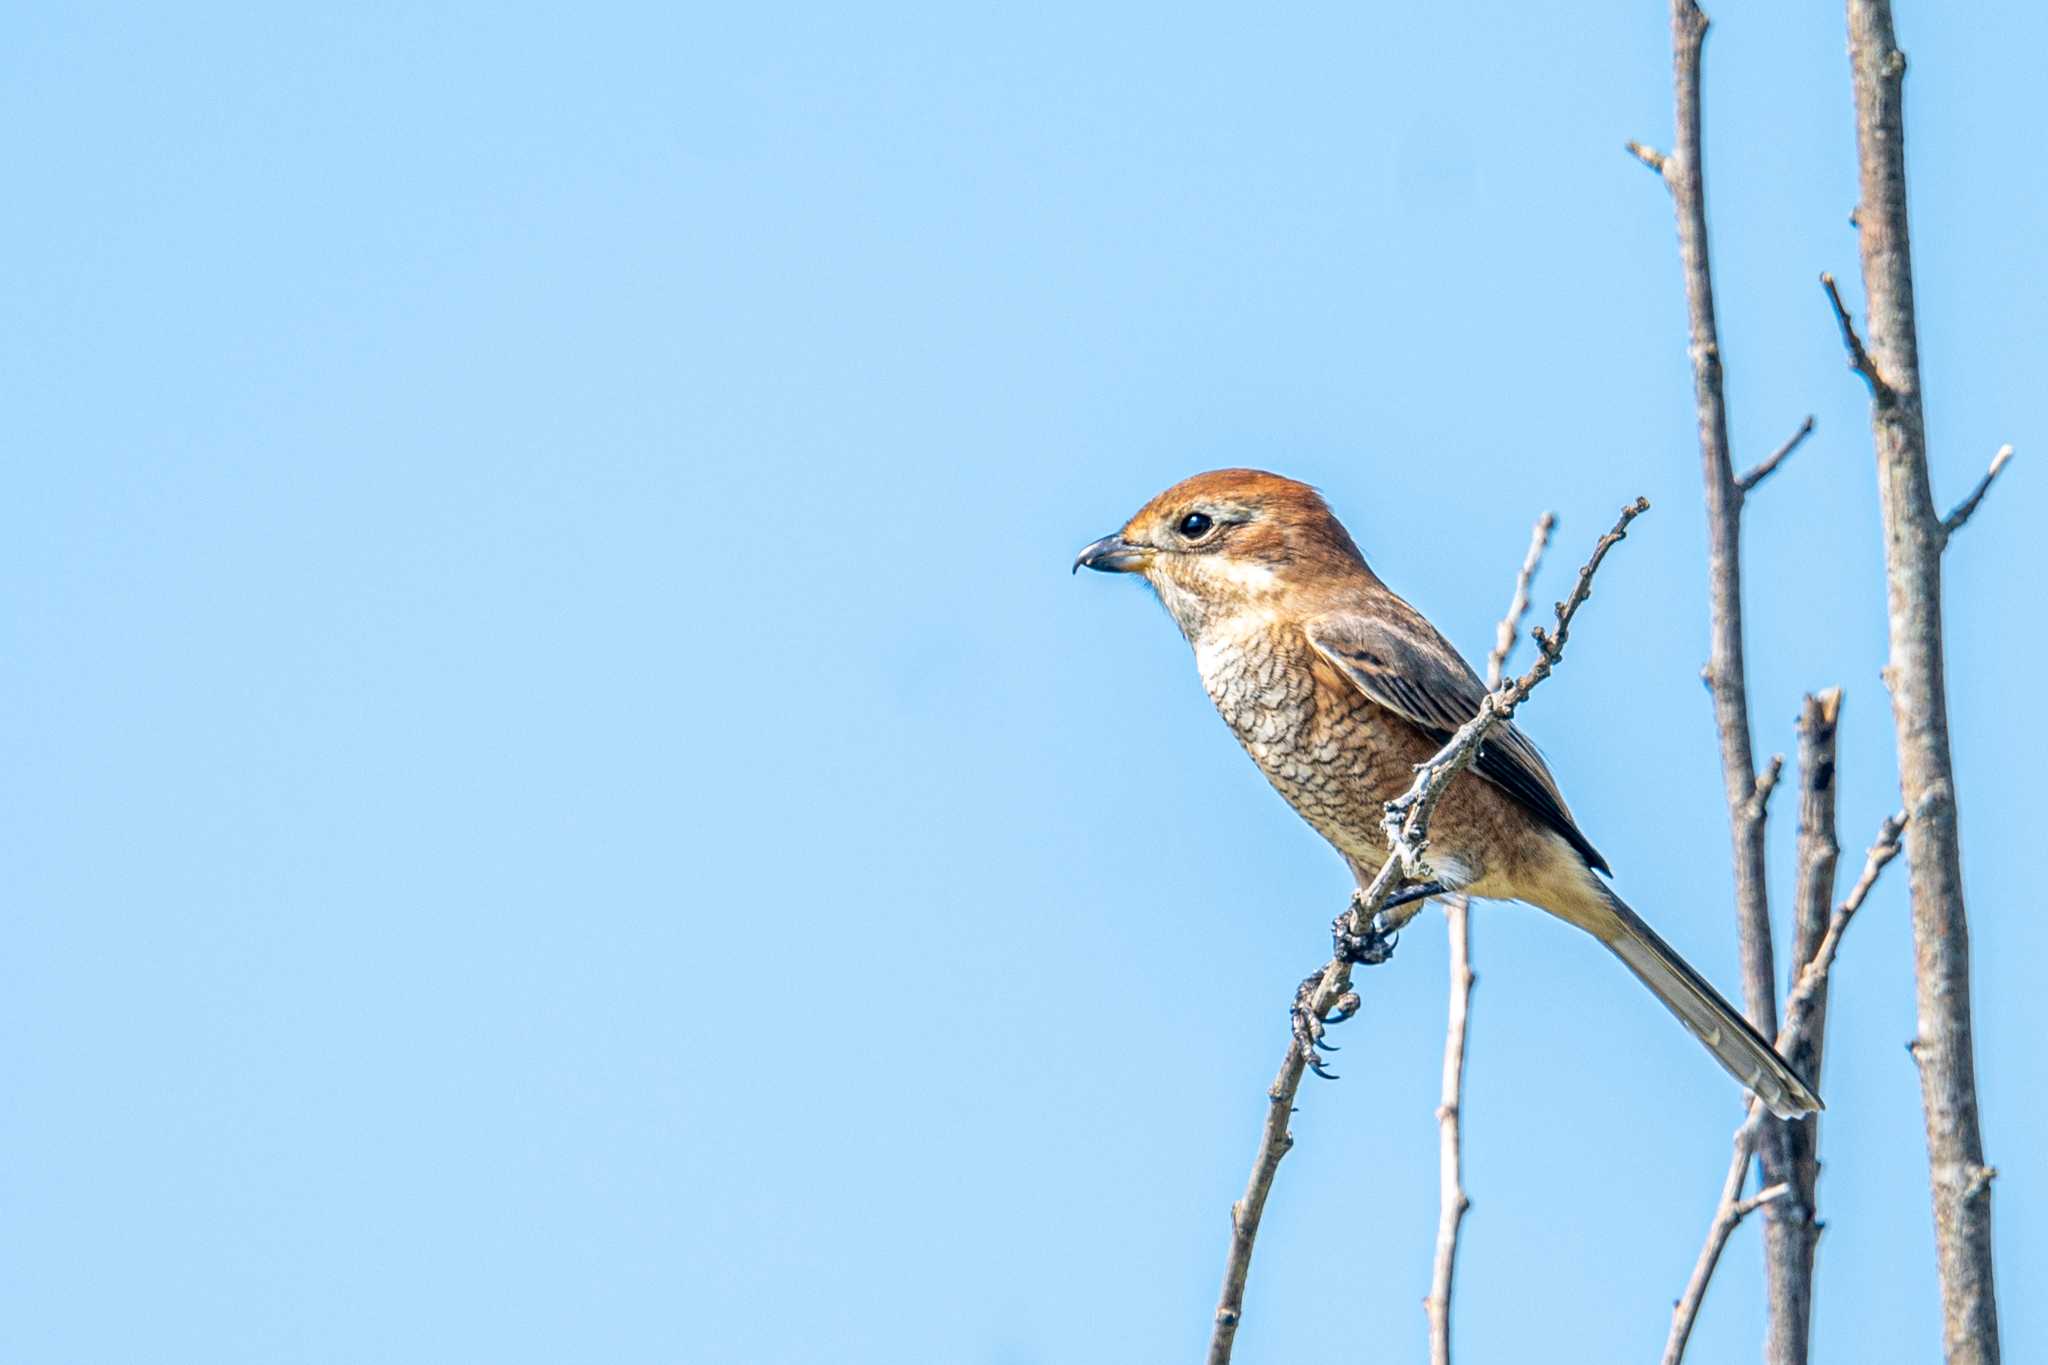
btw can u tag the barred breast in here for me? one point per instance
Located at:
(1334, 755)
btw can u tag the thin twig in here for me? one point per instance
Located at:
(1407, 816)
(1452, 1202)
(1859, 359)
(1813, 979)
(1756, 1201)
(1407, 823)
(1763, 470)
(1766, 783)
(1650, 157)
(1510, 626)
(1686, 1311)
(1953, 522)
(1799, 1018)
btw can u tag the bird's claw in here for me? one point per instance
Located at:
(1308, 1029)
(1368, 949)
(1420, 891)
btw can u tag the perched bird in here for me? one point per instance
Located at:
(1337, 689)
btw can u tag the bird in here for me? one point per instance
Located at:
(1337, 688)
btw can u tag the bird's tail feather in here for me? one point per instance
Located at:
(1735, 1044)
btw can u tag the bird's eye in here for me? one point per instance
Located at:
(1195, 525)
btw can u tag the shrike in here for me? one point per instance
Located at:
(1337, 689)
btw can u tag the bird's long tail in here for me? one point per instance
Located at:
(1735, 1044)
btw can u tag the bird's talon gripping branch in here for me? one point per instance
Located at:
(1308, 1029)
(1368, 949)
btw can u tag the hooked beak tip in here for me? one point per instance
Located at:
(1112, 554)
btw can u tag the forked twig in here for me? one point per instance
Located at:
(1799, 1017)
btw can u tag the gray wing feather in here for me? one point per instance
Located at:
(1397, 659)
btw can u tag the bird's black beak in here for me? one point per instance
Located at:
(1113, 554)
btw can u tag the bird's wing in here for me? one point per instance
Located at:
(1397, 659)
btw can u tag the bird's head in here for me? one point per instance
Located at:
(1228, 542)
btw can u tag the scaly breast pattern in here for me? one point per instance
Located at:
(1335, 756)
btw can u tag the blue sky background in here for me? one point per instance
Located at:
(561, 801)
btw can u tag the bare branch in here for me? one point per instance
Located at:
(1813, 978)
(1725, 673)
(1759, 1199)
(1407, 816)
(1729, 1212)
(1800, 1018)
(1745, 790)
(1859, 359)
(1510, 626)
(1758, 473)
(1407, 823)
(1650, 157)
(1819, 853)
(1766, 783)
(1450, 1112)
(1953, 522)
(1914, 536)
(1451, 1199)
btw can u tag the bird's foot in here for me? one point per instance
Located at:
(1309, 1030)
(1367, 949)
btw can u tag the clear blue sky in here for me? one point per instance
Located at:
(561, 801)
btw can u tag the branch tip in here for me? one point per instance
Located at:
(1859, 359)
(1765, 468)
(1518, 606)
(1953, 522)
(1650, 157)
(1764, 784)
(1756, 1201)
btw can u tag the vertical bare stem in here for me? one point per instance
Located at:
(1683, 173)
(1451, 1200)
(1914, 535)
(1791, 1330)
